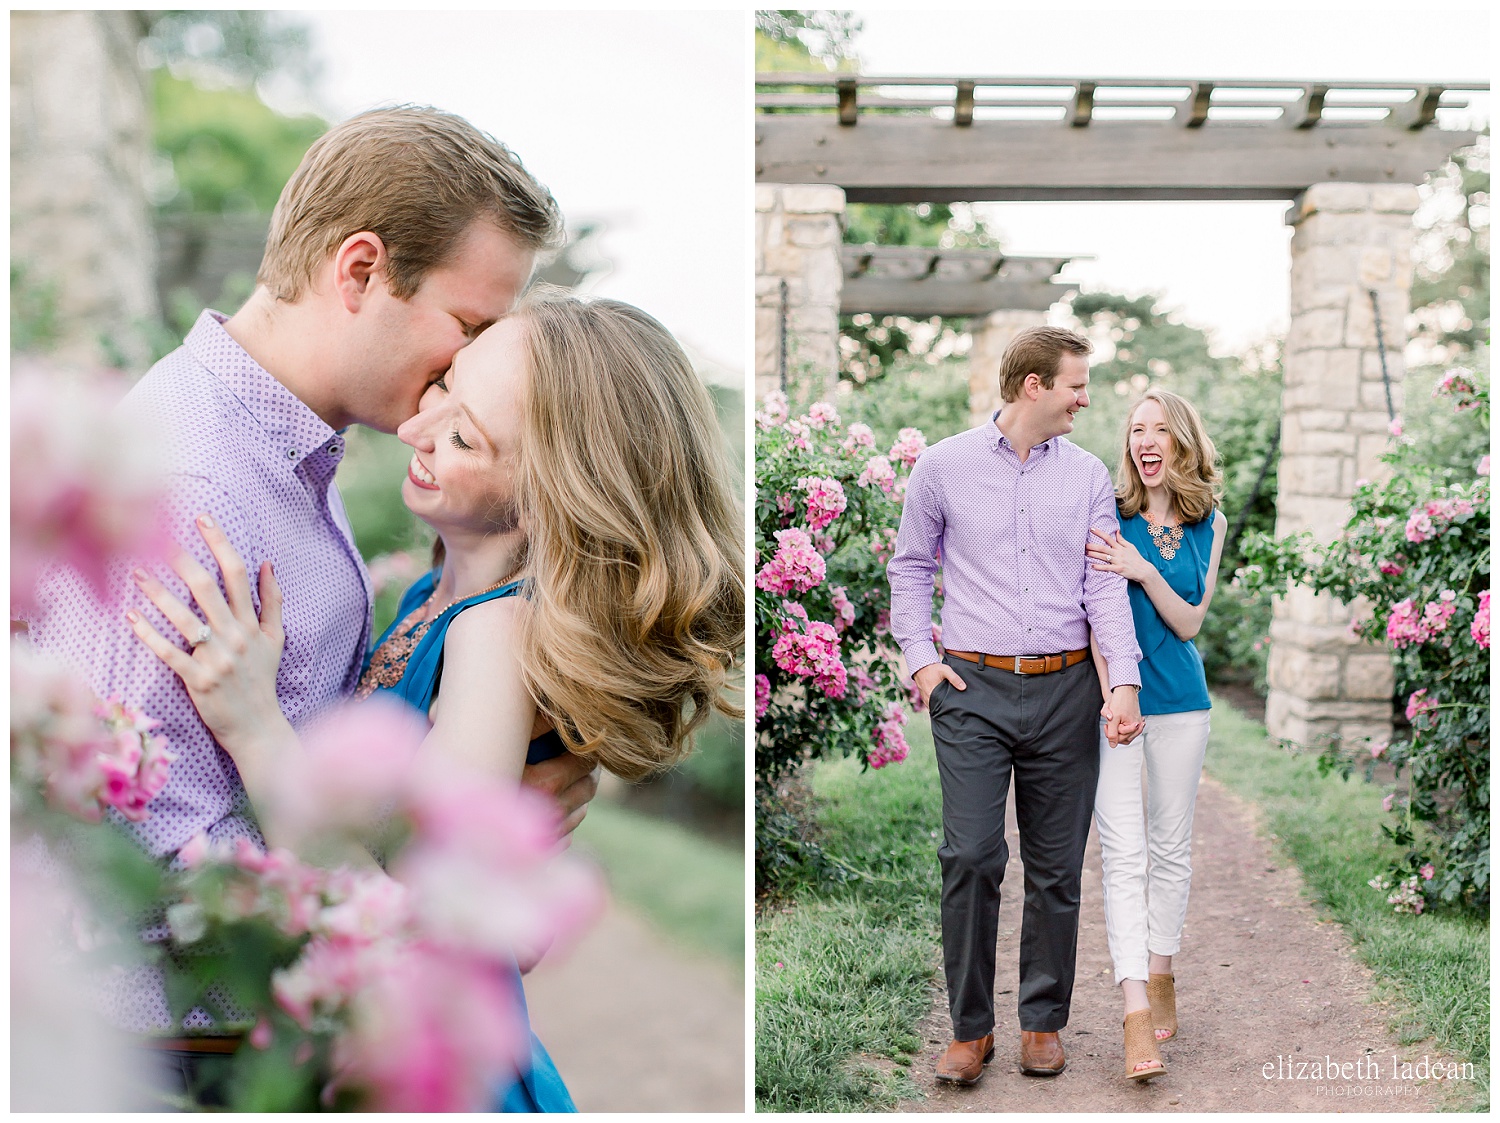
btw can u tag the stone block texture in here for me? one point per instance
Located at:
(798, 230)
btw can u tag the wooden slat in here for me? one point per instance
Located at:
(916, 159)
(882, 296)
(825, 78)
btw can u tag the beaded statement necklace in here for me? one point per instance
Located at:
(1167, 539)
(388, 662)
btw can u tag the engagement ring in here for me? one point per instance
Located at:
(204, 633)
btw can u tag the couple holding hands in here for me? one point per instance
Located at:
(1062, 589)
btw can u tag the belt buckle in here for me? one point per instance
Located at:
(1016, 666)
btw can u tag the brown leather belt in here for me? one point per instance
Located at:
(219, 1043)
(1024, 664)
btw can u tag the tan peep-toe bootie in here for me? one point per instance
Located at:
(1140, 1047)
(1161, 992)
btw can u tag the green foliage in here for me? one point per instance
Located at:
(1432, 971)
(33, 311)
(1416, 554)
(843, 968)
(931, 397)
(791, 40)
(230, 152)
(717, 764)
(239, 47)
(1451, 291)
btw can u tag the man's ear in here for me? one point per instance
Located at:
(358, 264)
(1032, 387)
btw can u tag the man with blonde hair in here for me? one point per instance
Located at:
(1008, 508)
(401, 236)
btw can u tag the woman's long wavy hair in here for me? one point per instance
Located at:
(635, 538)
(1192, 470)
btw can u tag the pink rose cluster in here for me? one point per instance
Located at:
(878, 471)
(796, 567)
(1406, 626)
(810, 649)
(762, 696)
(1427, 521)
(860, 436)
(822, 415)
(1479, 627)
(909, 445)
(1458, 383)
(83, 754)
(825, 500)
(773, 412)
(890, 741)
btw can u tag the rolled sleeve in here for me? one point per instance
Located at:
(1106, 601)
(913, 567)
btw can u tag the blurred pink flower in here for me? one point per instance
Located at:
(843, 607)
(773, 411)
(860, 436)
(1483, 467)
(811, 649)
(1391, 569)
(1377, 750)
(1479, 627)
(762, 696)
(878, 471)
(890, 741)
(1427, 872)
(1388, 801)
(1419, 527)
(83, 488)
(1395, 427)
(822, 415)
(1419, 704)
(909, 445)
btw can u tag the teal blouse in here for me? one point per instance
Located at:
(1172, 680)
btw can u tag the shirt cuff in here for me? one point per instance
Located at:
(921, 653)
(1124, 672)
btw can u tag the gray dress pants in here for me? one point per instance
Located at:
(1044, 729)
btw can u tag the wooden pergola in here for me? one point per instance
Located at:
(918, 281)
(925, 139)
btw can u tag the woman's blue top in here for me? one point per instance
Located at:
(541, 1088)
(1172, 679)
(419, 681)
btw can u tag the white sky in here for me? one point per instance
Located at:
(1223, 265)
(636, 119)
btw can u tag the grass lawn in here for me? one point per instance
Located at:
(1435, 968)
(845, 971)
(691, 888)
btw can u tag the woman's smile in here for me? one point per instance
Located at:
(420, 476)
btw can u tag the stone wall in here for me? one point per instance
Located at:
(79, 146)
(990, 337)
(798, 230)
(1349, 239)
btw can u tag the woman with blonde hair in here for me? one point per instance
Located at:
(587, 593)
(1168, 547)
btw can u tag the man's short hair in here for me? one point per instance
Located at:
(415, 176)
(1037, 351)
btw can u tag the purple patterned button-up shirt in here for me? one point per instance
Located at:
(1011, 538)
(243, 448)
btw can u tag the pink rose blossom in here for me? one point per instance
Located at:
(1419, 704)
(1427, 872)
(1389, 801)
(909, 445)
(822, 415)
(825, 500)
(860, 436)
(1377, 750)
(1395, 427)
(878, 471)
(1479, 627)
(890, 741)
(843, 607)
(1391, 569)
(762, 696)
(863, 684)
(773, 412)
(1419, 527)
(796, 566)
(1483, 467)
(811, 649)
(883, 544)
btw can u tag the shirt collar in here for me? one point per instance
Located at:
(998, 440)
(288, 421)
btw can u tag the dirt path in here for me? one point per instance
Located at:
(1260, 977)
(637, 1024)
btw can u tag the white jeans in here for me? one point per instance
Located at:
(1147, 851)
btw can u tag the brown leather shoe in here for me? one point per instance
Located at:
(964, 1061)
(1041, 1054)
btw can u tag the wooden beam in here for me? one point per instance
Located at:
(891, 159)
(887, 296)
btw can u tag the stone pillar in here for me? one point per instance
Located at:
(798, 231)
(1349, 239)
(79, 145)
(988, 340)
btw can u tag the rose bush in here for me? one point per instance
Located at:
(1415, 558)
(828, 678)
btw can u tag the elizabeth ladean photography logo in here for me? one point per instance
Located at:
(1365, 1069)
